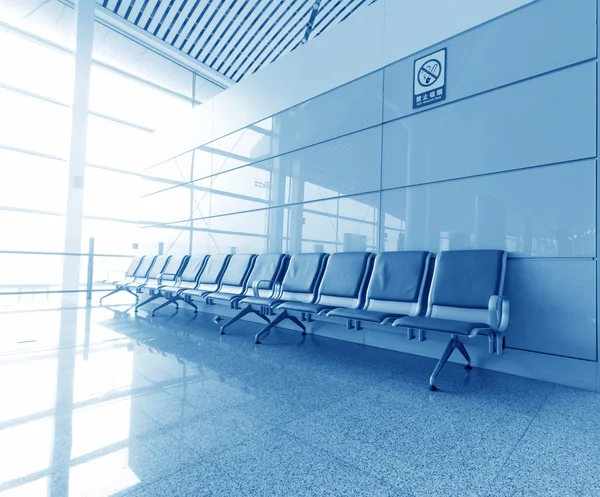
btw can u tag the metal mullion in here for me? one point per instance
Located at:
(31, 152)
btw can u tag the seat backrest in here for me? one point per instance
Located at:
(302, 277)
(158, 266)
(398, 282)
(345, 279)
(267, 267)
(133, 265)
(236, 274)
(210, 278)
(174, 267)
(463, 282)
(141, 273)
(192, 270)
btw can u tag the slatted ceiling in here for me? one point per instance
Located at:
(296, 22)
(212, 36)
(226, 40)
(340, 15)
(199, 24)
(244, 48)
(266, 41)
(179, 13)
(231, 23)
(233, 37)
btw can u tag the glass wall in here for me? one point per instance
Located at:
(306, 179)
(133, 91)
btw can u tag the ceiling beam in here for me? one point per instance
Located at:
(130, 30)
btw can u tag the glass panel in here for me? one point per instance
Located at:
(111, 237)
(541, 212)
(167, 206)
(205, 90)
(114, 144)
(111, 194)
(31, 232)
(121, 52)
(49, 19)
(31, 182)
(125, 98)
(32, 124)
(23, 64)
(176, 170)
(175, 241)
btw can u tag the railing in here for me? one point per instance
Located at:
(38, 287)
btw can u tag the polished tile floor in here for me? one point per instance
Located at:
(97, 403)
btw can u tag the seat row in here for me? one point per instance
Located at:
(459, 293)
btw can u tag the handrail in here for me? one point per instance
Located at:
(80, 254)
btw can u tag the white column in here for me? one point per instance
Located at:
(83, 64)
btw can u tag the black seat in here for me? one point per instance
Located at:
(465, 300)
(209, 279)
(395, 289)
(139, 278)
(344, 284)
(173, 268)
(234, 280)
(267, 272)
(187, 280)
(127, 277)
(299, 284)
(156, 269)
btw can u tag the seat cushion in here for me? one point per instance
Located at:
(227, 297)
(359, 314)
(259, 301)
(195, 293)
(302, 307)
(443, 325)
(169, 289)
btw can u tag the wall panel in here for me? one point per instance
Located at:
(553, 307)
(486, 57)
(540, 212)
(539, 121)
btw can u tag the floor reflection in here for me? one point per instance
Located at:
(98, 402)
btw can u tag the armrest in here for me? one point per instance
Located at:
(162, 275)
(272, 285)
(499, 310)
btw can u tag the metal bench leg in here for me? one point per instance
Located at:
(164, 304)
(295, 320)
(190, 303)
(152, 297)
(443, 360)
(265, 331)
(240, 315)
(461, 348)
(116, 290)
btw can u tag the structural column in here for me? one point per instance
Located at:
(77, 153)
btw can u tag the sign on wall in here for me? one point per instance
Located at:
(429, 86)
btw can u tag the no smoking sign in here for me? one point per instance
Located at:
(429, 85)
